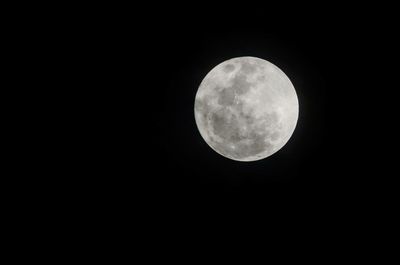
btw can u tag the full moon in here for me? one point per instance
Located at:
(246, 109)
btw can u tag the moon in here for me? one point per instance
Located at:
(246, 109)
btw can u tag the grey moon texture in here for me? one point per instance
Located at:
(246, 109)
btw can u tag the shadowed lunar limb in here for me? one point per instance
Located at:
(238, 109)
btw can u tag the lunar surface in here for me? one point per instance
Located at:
(246, 109)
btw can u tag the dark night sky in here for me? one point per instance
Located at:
(149, 69)
(115, 160)
(182, 164)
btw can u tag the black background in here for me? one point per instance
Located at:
(140, 147)
(114, 157)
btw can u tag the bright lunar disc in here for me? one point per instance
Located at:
(246, 109)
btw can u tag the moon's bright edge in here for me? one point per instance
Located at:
(246, 109)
